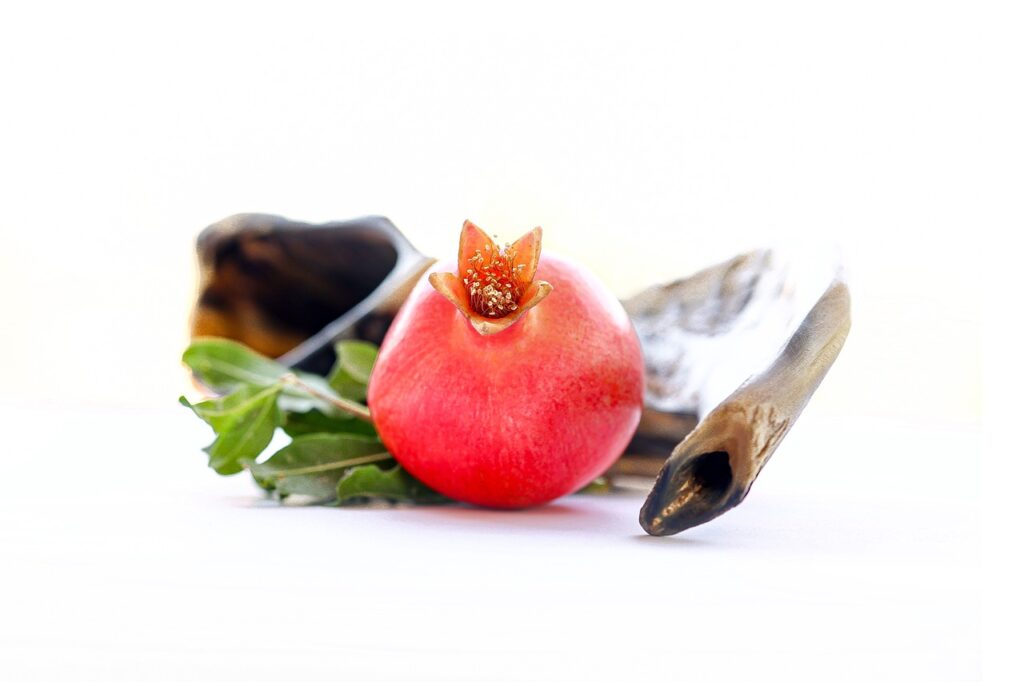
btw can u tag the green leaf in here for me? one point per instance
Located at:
(395, 484)
(244, 421)
(333, 454)
(224, 365)
(296, 401)
(356, 358)
(351, 373)
(313, 464)
(599, 486)
(314, 421)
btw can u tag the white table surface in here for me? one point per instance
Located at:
(124, 558)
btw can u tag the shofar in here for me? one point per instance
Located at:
(289, 289)
(712, 469)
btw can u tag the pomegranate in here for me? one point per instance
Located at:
(510, 382)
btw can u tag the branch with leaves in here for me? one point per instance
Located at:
(335, 455)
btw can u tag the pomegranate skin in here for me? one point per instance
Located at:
(519, 417)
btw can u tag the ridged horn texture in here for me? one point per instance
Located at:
(712, 469)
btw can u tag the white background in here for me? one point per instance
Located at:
(648, 142)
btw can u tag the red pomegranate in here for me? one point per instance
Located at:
(503, 390)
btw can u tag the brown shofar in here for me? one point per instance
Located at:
(289, 289)
(712, 469)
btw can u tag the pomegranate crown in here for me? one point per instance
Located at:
(494, 286)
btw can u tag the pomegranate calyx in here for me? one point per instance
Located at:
(494, 286)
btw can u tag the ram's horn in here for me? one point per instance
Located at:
(712, 470)
(704, 334)
(290, 289)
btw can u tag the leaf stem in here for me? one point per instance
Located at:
(343, 464)
(348, 406)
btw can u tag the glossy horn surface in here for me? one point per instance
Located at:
(712, 469)
(289, 289)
